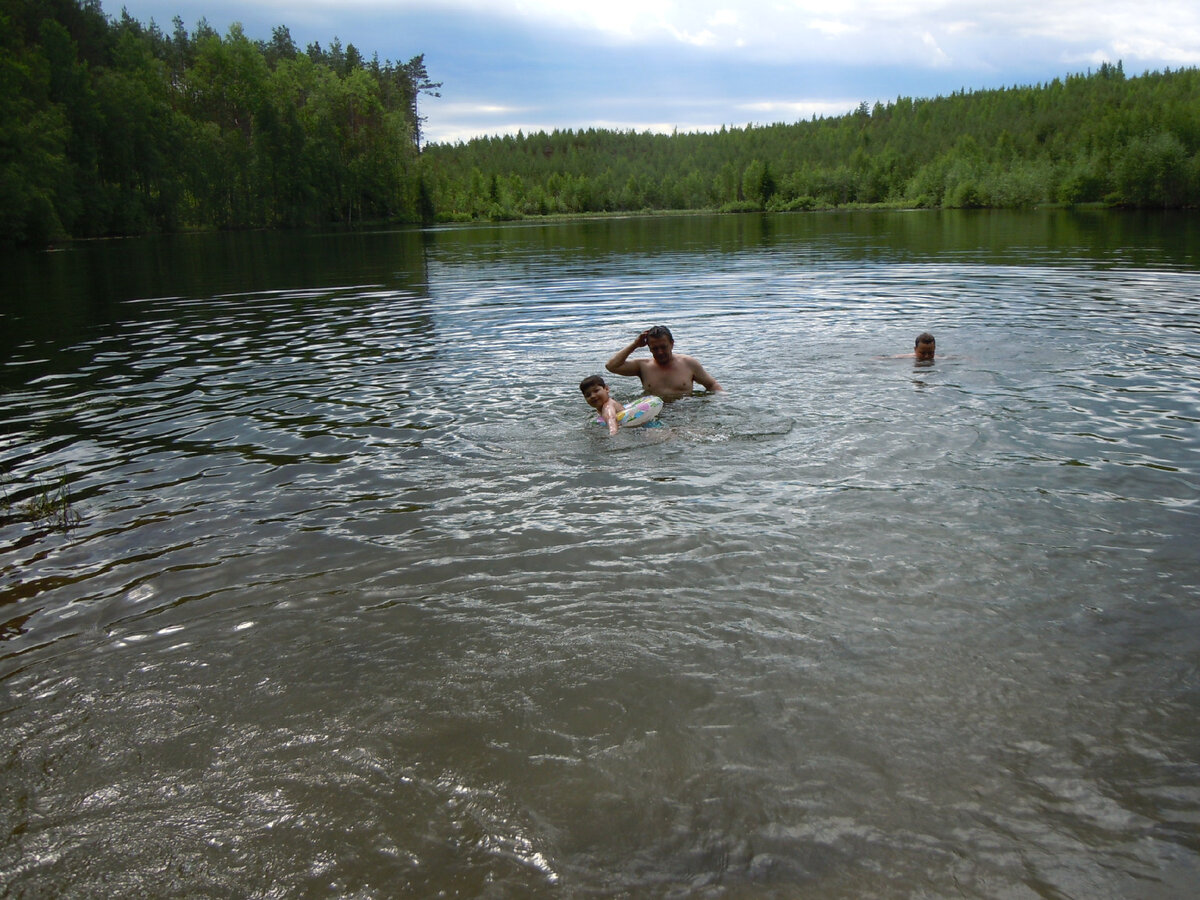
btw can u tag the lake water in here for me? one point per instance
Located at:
(360, 603)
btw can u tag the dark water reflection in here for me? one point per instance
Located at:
(360, 605)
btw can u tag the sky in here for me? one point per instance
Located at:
(697, 65)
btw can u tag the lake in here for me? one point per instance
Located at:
(359, 602)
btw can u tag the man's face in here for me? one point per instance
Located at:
(925, 350)
(660, 349)
(596, 395)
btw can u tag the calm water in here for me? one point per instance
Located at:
(361, 605)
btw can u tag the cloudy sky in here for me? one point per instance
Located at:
(699, 64)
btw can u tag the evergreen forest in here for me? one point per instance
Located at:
(112, 127)
(1090, 138)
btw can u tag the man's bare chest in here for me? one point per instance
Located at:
(676, 377)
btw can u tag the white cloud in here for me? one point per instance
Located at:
(628, 19)
(793, 110)
(861, 31)
(543, 64)
(703, 38)
(832, 28)
(1137, 48)
(476, 109)
(937, 57)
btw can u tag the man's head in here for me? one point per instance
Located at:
(924, 346)
(659, 342)
(594, 390)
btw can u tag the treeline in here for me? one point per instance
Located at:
(1099, 137)
(110, 127)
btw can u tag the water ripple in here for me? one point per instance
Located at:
(361, 597)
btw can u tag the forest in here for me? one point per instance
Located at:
(1089, 138)
(112, 127)
(109, 126)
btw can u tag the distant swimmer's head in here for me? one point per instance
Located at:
(924, 346)
(659, 342)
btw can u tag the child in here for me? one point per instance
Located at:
(595, 392)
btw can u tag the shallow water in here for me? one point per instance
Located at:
(360, 603)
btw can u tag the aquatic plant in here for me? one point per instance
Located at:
(51, 505)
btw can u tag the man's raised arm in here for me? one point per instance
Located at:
(620, 364)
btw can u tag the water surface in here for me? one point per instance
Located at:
(360, 604)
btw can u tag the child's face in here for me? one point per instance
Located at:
(925, 350)
(596, 395)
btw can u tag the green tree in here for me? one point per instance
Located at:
(1154, 171)
(33, 164)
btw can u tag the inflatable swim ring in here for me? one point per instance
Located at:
(639, 412)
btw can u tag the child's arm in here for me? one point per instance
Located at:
(609, 414)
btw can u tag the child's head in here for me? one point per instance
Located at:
(591, 381)
(594, 390)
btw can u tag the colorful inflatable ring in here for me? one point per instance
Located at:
(638, 413)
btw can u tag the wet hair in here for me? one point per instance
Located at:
(660, 331)
(591, 381)
(924, 338)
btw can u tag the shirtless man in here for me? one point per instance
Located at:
(666, 374)
(924, 347)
